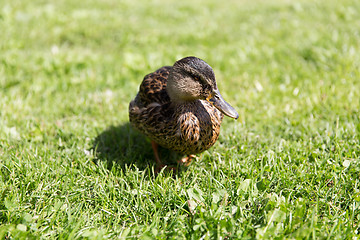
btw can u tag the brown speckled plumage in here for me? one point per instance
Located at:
(184, 126)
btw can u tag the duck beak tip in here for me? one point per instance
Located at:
(218, 101)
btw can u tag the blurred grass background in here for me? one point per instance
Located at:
(71, 167)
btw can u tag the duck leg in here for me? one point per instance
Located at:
(159, 164)
(186, 160)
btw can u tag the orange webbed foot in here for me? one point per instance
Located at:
(185, 161)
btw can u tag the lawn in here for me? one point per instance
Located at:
(71, 166)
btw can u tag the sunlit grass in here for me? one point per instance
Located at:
(72, 167)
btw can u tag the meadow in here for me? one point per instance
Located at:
(71, 166)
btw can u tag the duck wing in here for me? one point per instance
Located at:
(151, 111)
(153, 88)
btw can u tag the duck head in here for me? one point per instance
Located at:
(191, 79)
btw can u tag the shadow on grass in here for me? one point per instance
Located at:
(125, 146)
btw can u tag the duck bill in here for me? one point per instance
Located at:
(218, 101)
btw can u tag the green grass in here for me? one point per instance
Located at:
(71, 166)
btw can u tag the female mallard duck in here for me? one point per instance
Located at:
(180, 108)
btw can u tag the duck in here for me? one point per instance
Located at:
(180, 108)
